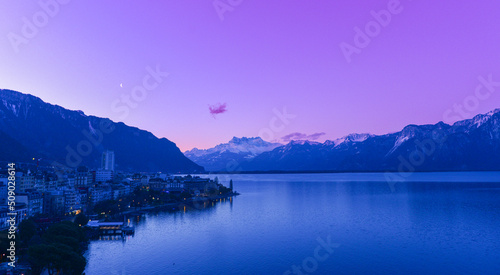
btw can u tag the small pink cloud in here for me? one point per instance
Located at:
(293, 136)
(217, 109)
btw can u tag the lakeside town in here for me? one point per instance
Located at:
(88, 203)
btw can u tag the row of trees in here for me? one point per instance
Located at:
(143, 196)
(139, 198)
(57, 250)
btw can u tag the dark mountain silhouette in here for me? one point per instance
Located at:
(468, 145)
(31, 128)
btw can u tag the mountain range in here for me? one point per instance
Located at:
(32, 129)
(467, 145)
(237, 150)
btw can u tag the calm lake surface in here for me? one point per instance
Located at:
(431, 223)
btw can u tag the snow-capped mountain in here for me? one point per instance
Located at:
(225, 155)
(352, 138)
(477, 121)
(250, 146)
(31, 128)
(471, 144)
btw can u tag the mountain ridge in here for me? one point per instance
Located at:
(236, 150)
(471, 144)
(71, 138)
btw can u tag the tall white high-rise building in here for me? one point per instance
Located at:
(108, 160)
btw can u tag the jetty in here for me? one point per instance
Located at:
(111, 228)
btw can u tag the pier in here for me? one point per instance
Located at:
(111, 228)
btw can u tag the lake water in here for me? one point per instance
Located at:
(322, 224)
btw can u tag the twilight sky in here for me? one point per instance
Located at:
(232, 69)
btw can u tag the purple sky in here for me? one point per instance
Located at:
(263, 56)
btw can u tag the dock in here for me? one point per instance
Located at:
(111, 228)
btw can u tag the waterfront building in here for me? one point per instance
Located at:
(157, 184)
(71, 180)
(103, 175)
(21, 215)
(197, 184)
(108, 160)
(3, 189)
(70, 195)
(39, 183)
(33, 201)
(145, 180)
(81, 197)
(81, 177)
(4, 218)
(91, 177)
(98, 194)
(24, 181)
(51, 182)
(53, 202)
(121, 191)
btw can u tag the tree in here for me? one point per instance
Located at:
(81, 219)
(108, 207)
(38, 258)
(35, 240)
(55, 257)
(224, 190)
(65, 228)
(27, 229)
(61, 250)
(4, 241)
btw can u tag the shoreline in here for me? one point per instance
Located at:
(178, 204)
(335, 172)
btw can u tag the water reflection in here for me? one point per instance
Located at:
(202, 207)
(424, 226)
